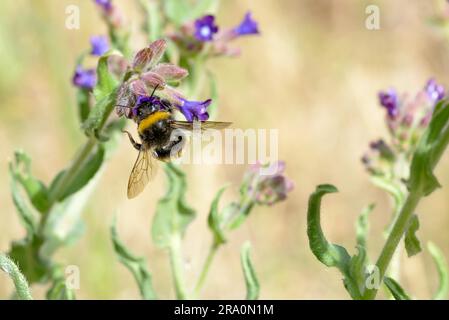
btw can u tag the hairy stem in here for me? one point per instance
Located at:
(205, 270)
(20, 283)
(177, 268)
(394, 238)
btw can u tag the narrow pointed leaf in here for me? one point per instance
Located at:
(26, 214)
(251, 281)
(173, 215)
(443, 273)
(136, 265)
(430, 148)
(396, 290)
(89, 168)
(215, 221)
(37, 192)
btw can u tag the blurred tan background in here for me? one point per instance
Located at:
(313, 74)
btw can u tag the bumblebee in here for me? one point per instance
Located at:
(155, 124)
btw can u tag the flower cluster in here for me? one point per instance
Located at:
(406, 119)
(192, 36)
(86, 78)
(267, 184)
(147, 74)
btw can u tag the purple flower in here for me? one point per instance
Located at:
(99, 45)
(205, 28)
(194, 109)
(434, 90)
(267, 184)
(84, 78)
(247, 26)
(106, 5)
(389, 100)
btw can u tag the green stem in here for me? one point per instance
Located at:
(177, 267)
(68, 177)
(394, 238)
(205, 270)
(21, 284)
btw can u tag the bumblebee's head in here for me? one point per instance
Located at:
(144, 107)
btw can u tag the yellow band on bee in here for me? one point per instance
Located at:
(152, 119)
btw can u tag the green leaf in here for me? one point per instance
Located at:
(27, 216)
(443, 273)
(412, 244)
(177, 11)
(106, 81)
(357, 267)
(136, 265)
(88, 170)
(173, 215)
(98, 115)
(20, 282)
(64, 223)
(331, 255)
(215, 220)
(37, 192)
(60, 291)
(391, 187)
(252, 284)
(105, 95)
(362, 225)
(25, 254)
(430, 148)
(396, 290)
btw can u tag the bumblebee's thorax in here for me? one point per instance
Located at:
(155, 128)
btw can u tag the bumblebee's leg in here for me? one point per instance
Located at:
(136, 145)
(166, 152)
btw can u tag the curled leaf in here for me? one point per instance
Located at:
(333, 255)
(412, 244)
(329, 254)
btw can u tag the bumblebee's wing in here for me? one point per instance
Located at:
(142, 172)
(204, 125)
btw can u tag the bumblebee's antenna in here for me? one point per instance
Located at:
(155, 88)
